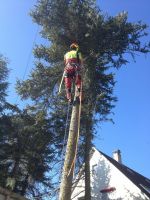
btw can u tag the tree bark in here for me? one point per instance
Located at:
(87, 162)
(67, 175)
(25, 185)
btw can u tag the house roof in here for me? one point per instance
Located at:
(140, 181)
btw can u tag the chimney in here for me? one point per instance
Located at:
(117, 156)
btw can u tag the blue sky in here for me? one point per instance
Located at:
(130, 133)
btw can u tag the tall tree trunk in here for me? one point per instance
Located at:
(67, 175)
(87, 161)
(25, 185)
(14, 175)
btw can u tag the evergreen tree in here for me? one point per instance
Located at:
(26, 145)
(27, 152)
(104, 42)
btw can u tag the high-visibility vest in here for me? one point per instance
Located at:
(72, 56)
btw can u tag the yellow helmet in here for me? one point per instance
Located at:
(74, 45)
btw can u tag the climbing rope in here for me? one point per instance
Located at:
(78, 134)
(63, 148)
(64, 139)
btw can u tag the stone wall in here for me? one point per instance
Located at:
(8, 195)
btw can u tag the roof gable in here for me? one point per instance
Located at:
(140, 181)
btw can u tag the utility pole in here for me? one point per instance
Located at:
(68, 169)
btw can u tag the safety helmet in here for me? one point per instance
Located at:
(74, 45)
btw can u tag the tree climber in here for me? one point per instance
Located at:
(73, 62)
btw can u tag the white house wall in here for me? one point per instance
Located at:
(105, 175)
(79, 189)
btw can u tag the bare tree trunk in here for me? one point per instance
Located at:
(87, 161)
(67, 175)
(25, 185)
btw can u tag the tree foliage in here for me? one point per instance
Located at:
(26, 152)
(104, 42)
